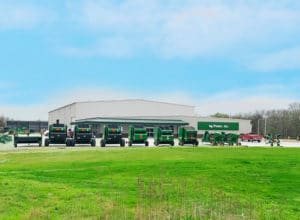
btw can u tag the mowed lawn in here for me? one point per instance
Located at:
(150, 183)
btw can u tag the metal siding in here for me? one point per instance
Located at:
(130, 108)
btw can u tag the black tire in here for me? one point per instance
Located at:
(181, 143)
(73, 143)
(67, 143)
(129, 143)
(155, 143)
(197, 143)
(172, 144)
(40, 143)
(93, 143)
(146, 143)
(122, 143)
(102, 144)
(47, 143)
(16, 145)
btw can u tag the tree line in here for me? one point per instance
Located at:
(285, 122)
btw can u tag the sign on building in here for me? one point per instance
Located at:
(218, 126)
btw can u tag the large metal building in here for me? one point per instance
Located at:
(142, 112)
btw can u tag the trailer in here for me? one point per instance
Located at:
(112, 135)
(58, 135)
(163, 136)
(137, 135)
(187, 135)
(83, 134)
(24, 136)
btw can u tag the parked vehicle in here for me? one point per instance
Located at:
(252, 137)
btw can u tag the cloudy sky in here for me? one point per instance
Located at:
(220, 55)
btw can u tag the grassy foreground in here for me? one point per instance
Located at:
(150, 183)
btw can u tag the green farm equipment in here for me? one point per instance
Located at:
(137, 135)
(163, 136)
(187, 135)
(24, 136)
(83, 134)
(57, 135)
(112, 135)
(273, 139)
(214, 138)
(232, 139)
(5, 139)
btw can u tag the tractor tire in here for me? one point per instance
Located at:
(102, 143)
(155, 143)
(47, 143)
(93, 143)
(16, 145)
(181, 143)
(73, 143)
(197, 144)
(129, 144)
(122, 144)
(68, 143)
(40, 143)
(146, 144)
(172, 144)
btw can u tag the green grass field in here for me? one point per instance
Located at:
(150, 183)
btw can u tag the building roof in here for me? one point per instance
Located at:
(130, 121)
(122, 100)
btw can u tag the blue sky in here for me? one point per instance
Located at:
(221, 56)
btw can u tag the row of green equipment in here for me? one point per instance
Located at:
(221, 138)
(187, 135)
(59, 134)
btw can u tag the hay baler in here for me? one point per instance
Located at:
(24, 136)
(187, 135)
(83, 134)
(137, 135)
(112, 135)
(232, 139)
(57, 134)
(163, 136)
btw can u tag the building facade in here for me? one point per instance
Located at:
(142, 112)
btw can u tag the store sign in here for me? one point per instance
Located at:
(218, 126)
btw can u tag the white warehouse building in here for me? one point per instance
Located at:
(142, 112)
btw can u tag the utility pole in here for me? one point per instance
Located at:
(266, 126)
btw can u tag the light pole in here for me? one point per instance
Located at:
(266, 126)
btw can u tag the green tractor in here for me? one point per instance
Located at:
(112, 135)
(188, 135)
(232, 139)
(137, 135)
(163, 136)
(58, 135)
(273, 139)
(24, 136)
(83, 134)
(214, 138)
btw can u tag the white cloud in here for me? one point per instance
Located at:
(23, 16)
(287, 59)
(193, 28)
